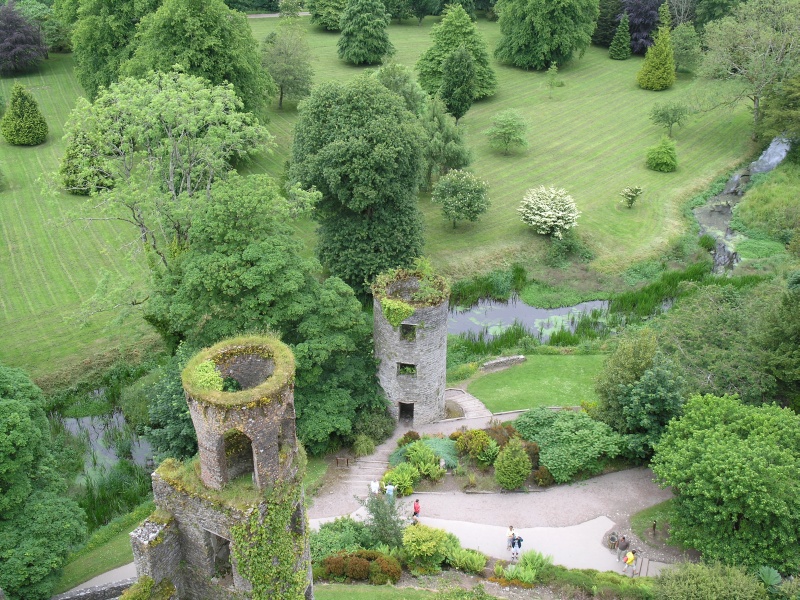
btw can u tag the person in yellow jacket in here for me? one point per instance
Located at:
(630, 561)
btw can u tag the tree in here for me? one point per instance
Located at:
(398, 9)
(550, 211)
(538, 33)
(663, 156)
(756, 47)
(682, 12)
(781, 111)
(56, 33)
(733, 469)
(21, 43)
(552, 79)
(507, 132)
(23, 123)
(39, 526)
(458, 82)
(82, 170)
(384, 523)
(713, 10)
(364, 40)
(102, 39)
(668, 114)
(686, 47)
(454, 30)
(207, 39)
(444, 148)
(361, 148)
(513, 465)
(643, 17)
(287, 58)
(326, 13)
(462, 195)
(159, 160)
(607, 22)
(620, 48)
(422, 8)
(658, 69)
(401, 80)
(779, 336)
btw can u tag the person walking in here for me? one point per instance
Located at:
(509, 537)
(630, 561)
(374, 487)
(390, 492)
(516, 546)
(415, 516)
(622, 546)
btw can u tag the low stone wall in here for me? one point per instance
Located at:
(503, 362)
(108, 591)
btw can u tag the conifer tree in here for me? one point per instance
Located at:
(364, 40)
(444, 148)
(454, 30)
(458, 82)
(620, 48)
(607, 22)
(658, 70)
(23, 123)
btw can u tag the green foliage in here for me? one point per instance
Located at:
(781, 113)
(269, 547)
(369, 220)
(112, 492)
(630, 195)
(707, 582)
(287, 58)
(402, 81)
(81, 171)
(442, 448)
(458, 82)
(571, 443)
(445, 148)
(431, 289)
(454, 30)
(686, 47)
(364, 40)
(21, 43)
(425, 547)
(732, 468)
(537, 34)
(533, 567)
(473, 443)
(422, 8)
(404, 477)
(779, 337)
(662, 157)
(383, 523)
(39, 525)
(552, 79)
(561, 250)
(341, 534)
(396, 311)
(759, 248)
(620, 48)
(650, 299)
(55, 31)
(507, 132)
(208, 377)
(668, 114)
(770, 207)
(707, 242)
(363, 445)
(468, 561)
(326, 13)
(607, 22)
(462, 196)
(513, 466)
(22, 123)
(550, 211)
(496, 285)
(658, 69)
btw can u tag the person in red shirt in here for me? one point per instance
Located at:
(416, 508)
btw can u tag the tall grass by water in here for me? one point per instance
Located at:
(499, 285)
(110, 492)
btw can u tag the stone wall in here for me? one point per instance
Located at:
(108, 591)
(157, 551)
(426, 352)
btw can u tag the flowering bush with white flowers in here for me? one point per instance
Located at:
(550, 211)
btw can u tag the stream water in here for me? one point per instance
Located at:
(715, 216)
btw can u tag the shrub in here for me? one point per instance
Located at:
(630, 194)
(536, 560)
(342, 534)
(334, 566)
(663, 156)
(23, 123)
(363, 445)
(404, 477)
(532, 449)
(707, 582)
(356, 568)
(425, 547)
(376, 424)
(419, 453)
(501, 432)
(408, 437)
(383, 523)
(543, 477)
(469, 561)
(489, 454)
(383, 570)
(512, 466)
(550, 211)
(473, 442)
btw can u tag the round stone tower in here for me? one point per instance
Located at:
(410, 331)
(249, 430)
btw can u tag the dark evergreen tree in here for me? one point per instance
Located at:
(364, 40)
(620, 48)
(458, 82)
(658, 69)
(21, 42)
(607, 22)
(445, 148)
(422, 8)
(643, 16)
(711, 10)
(23, 123)
(363, 150)
(538, 33)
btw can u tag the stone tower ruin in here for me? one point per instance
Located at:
(241, 497)
(410, 332)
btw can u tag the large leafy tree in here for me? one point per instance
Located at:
(757, 47)
(781, 111)
(711, 10)
(462, 196)
(609, 13)
(206, 39)
(643, 18)
(38, 524)
(686, 47)
(422, 8)
(21, 43)
(102, 39)
(287, 58)
(454, 30)
(733, 469)
(56, 32)
(658, 69)
(401, 80)
(364, 40)
(326, 13)
(162, 141)
(362, 149)
(539, 33)
(458, 82)
(444, 147)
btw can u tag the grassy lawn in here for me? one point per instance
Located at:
(542, 380)
(590, 138)
(338, 591)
